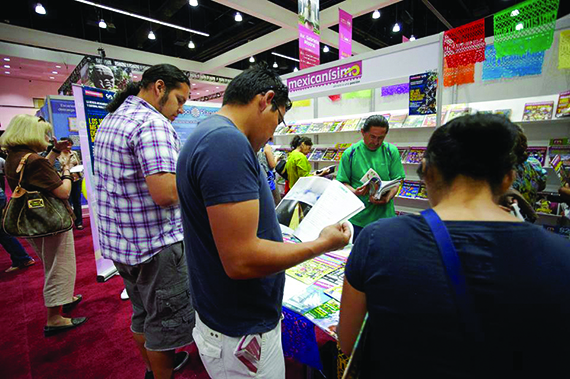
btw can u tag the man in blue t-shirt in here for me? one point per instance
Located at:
(235, 251)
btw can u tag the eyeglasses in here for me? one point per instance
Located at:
(281, 119)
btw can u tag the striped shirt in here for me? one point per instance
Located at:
(132, 143)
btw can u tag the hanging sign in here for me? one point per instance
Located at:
(344, 34)
(309, 33)
(338, 76)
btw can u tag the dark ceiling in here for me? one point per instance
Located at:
(78, 20)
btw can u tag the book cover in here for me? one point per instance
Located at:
(303, 128)
(339, 154)
(336, 126)
(563, 108)
(538, 152)
(315, 127)
(415, 155)
(414, 121)
(312, 270)
(327, 125)
(538, 111)
(397, 120)
(410, 189)
(329, 155)
(318, 154)
(431, 119)
(350, 124)
(457, 112)
(403, 153)
(423, 93)
(504, 112)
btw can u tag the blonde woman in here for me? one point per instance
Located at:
(30, 134)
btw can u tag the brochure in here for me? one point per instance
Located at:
(377, 187)
(314, 203)
(538, 111)
(331, 169)
(563, 108)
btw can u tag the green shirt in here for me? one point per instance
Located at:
(356, 161)
(297, 166)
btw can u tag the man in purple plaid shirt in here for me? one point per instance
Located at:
(139, 224)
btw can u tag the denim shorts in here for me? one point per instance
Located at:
(160, 296)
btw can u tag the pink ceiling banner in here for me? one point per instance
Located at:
(309, 33)
(345, 34)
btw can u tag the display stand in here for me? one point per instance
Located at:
(394, 65)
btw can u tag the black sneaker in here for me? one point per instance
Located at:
(180, 359)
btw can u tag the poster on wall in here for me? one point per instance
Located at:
(309, 33)
(95, 101)
(423, 91)
(344, 34)
(194, 112)
(111, 78)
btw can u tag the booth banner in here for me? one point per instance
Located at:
(186, 122)
(423, 90)
(525, 28)
(110, 78)
(309, 33)
(95, 101)
(397, 89)
(63, 117)
(465, 45)
(564, 50)
(344, 34)
(338, 76)
(511, 66)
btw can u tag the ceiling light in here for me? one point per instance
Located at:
(238, 17)
(142, 17)
(102, 24)
(515, 13)
(376, 14)
(193, 3)
(7, 72)
(191, 45)
(136, 77)
(285, 56)
(54, 72)
(326, 49)
(519, 26)
(295, 69)
(275, 65)
(396, 28)
(57, 66)
(6, 66)
(7, 59)
(51, 77)
(207, 90)
(251, 59)
(151, 35)
(197, 93)
(412, 38)
(217, 87)
(40, 9)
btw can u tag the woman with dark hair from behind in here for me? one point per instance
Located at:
(517, 274)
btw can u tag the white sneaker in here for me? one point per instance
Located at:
(124, 295)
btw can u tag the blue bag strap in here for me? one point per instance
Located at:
(454, 271)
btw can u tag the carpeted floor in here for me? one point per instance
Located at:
(102, 348)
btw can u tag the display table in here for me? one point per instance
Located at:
(312, 298)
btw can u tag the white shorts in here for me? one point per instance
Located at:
(217, 354)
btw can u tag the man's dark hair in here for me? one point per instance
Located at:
(171, 75)
(375, 120)
(253, 81)
(298, 140)
(67, 139)
(479, 146)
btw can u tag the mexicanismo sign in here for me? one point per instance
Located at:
(346, 74)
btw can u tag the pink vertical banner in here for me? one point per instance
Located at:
(344, 34)
(309, 33)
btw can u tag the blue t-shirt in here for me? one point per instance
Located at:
(518, 276)
(217, 165)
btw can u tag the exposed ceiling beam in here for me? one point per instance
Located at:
(60, 43)
(437, 14)
(270, 12)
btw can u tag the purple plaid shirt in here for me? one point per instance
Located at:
(132, 143)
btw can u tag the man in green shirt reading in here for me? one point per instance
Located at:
(382, 157)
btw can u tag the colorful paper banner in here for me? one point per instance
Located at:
(511, 66)
(526, 27)
(397, 89)
(309, 33)
(465, 45)
(564, 50)
(344, 34)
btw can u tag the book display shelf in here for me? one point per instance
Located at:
(536, 103)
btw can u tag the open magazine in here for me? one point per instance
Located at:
(315, 203)
(376, 187)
